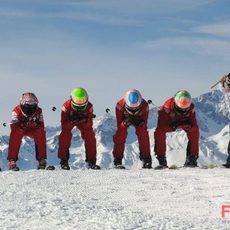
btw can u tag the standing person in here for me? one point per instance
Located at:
(225, 84)
(132, 110)
(77, 112)
(177, 112)
(27, 120)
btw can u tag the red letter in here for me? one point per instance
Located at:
(225, 209)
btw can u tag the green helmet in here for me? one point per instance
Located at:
(182, 102)
(79, 99)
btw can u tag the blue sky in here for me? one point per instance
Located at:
(109, 46)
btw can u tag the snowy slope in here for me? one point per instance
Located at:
(115, 199)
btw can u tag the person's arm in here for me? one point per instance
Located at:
(65, 122)
(15, 122)
(121, 123)
(221, 80)
(193, 118)
(145, 114)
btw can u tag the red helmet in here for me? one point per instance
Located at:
(28, 103)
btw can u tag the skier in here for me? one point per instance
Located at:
(27, 120)
(225, 83)
(132, 110)
(77, 112)
(177, 112)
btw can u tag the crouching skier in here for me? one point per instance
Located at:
(177, 112)
(77, 112)
(27, 120)
(132, 110)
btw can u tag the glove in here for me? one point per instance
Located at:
(77, 119)
(23, 125)
(81, 121)
(185, 124)
(137, 122)
(33, 124)
(29, 125)
(126, 123)
(140, 123)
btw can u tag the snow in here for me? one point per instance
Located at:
(115, 199)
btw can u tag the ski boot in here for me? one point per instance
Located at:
(227, 164)
(42, 164)
(147, 163)
(12, 166)
(162, 162)
(92, 165)
(191, 161)
(118, 163)
(64, 164)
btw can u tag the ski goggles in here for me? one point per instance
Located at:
(78, 107)
(180, 111)
(132, 112)
(29, 109)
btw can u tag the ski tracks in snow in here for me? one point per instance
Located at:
(114, 199)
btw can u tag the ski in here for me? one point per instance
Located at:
(159, 167)
(119, 167)
(174, 167)
(50, 167)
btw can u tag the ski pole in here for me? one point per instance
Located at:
(150, 102)
(221, 80)
(213, 86)
(54, 109)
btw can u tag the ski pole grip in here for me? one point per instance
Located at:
(54, 109)
(149, 101)
(107, 110)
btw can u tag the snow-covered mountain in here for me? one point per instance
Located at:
(213, 114)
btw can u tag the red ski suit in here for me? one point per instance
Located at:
(139, 121)
(30, 126)
(84, 122)
(169, 121)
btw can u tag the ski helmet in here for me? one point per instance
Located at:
(133, 101)
(79, 99)
(28, 103)
(182, 101)
(227, 80)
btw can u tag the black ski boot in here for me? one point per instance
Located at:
(118, 163)
(162, 162)
(227, 164)
(64, 164)
(191, 161)
(42, 164)
(12, 166)
(92, 165)
(147, 163)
